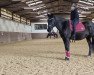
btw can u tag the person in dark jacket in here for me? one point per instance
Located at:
(74, 18)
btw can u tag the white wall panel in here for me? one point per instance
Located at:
(12, 26)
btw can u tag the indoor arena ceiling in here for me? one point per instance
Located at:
(38, 9)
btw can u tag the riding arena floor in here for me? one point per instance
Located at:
(45, 57)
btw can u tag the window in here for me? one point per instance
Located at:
(40, 26)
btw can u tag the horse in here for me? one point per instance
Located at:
(52, 34)
(65, 32)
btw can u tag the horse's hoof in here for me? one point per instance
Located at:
(89, 55)
(66, 58)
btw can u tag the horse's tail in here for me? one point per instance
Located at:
(93, 43)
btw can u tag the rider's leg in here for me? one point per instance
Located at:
(74, 23)
(74, 32)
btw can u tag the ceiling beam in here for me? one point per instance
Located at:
(33, 19)
(18, 5)
(7, 3)
(28, 13)
(73, 1)
(50, 1)
(54, 6)
(16, 11)
(4, 0)
(44, 2)
(61, 10)
(20, 0)
(46, 5)
(25, 11)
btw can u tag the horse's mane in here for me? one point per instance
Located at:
(59, 18)
(63, 23)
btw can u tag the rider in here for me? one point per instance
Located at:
(74, 18)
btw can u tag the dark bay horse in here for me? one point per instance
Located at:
(66, 34)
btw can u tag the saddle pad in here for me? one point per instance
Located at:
(79, 27)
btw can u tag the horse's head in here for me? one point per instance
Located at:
(51, 22)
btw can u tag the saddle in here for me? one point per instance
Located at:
(79, 27)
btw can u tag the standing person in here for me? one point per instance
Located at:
(74, 18)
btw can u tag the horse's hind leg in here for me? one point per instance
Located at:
(93, 44)
(90, 45)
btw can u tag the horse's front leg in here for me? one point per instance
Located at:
(67, 47)
(47, 35)
(54, 36)
(90, 45)
(50, 36)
